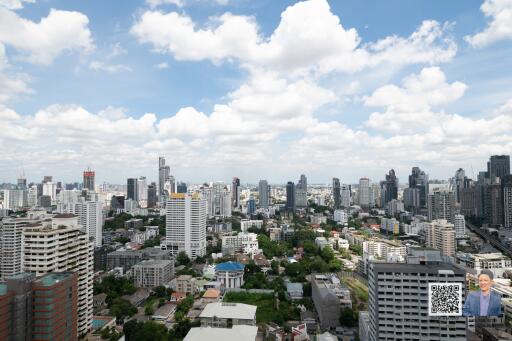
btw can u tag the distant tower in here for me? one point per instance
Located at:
(22, 181)
(263, 190)
(336, 192)
(163, 175)
(290, 196)
(235, 190)
(89, 180)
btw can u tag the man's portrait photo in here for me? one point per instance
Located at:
(483, 302)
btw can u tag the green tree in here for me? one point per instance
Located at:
(182, 258)
(348, 317)
(327, 254)
(121, 308)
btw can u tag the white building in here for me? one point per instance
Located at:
(495, 262)
(224, 315)
(246, 223)
(363, 193)
(218, 198)
(69, 196)
(11, 256)
(50, 189)
(186, 224)
(236, 333)
(384, 249)
(142, 191)
(58, 245)
(460, 226)
(394, 207)
(32, 196)
(441, 236)
(90, 217)
(340, 216)
(15, 199)
(243, 242)
(230, 274)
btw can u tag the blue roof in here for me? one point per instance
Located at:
(229, 266)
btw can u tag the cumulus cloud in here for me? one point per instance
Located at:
(41, 42)
(156, 3)
(162, 65)
(11, 84)
(14, 4)
(410, 107)
(499, 27)
(304, 24)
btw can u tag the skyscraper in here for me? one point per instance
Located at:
(301, 192)
(181, 187)
(389, 188)
(263, 191)
(142, 191)
(441, 203)
(163, 175)
(235, 191)
(419, 179)
(11, 257)
(186, 224)
(507, 200)
(494, 204)
(459, 181)
(152, 195)
(290, 196)
(131, 189)
(346, 195)
(441, 236)
(89, 180)
(498, 166)
(363, 193)
(22, 182)
(336, 192)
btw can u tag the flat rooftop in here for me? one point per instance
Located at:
(236, 333)
(53, 278)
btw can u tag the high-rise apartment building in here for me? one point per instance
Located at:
(142, 191)
(131, 189)
(264, 191)
(441, 236)
(235, 191)
(336, 192)
(441, 203)
(90, 217)
(152, 195)
(290, 196)
(218, 200)
(50, 189)
(89, 180)
(363, 193)
(398, 299)
(494, 203)
(460, 226)
(14, 199)
(412, 198)
(301, 192)
(11, 256)
(346, 195)
(186, 224)
(58, 245)
(459, 182)
(163, 175)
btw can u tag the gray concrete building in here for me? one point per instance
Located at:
(398, 299)
(329, 297)
(152, 273)
(128, 258)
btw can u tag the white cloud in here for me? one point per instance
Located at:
(162, 65)
(42, 42)
(304, 24)
(410, 107)
(14, 4)
(110, 68)
(116, 50)
(499, 27)
(11, 84)
(156, 3)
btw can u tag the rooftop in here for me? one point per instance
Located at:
(64, 215)
(236, 333)
(230, 266)
(230, 310)
(53, 278)
(3, 289)
(154, 263)
(211, 293)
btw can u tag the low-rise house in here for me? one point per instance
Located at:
(226, 315)
(164, 313)
(186, 284)
(294, 291)
(237, 333)
(177, 296)
(211, 296)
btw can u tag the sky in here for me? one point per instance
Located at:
(255, 89)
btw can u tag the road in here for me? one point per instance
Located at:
(490, 239)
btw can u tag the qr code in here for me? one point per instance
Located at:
(445, 299)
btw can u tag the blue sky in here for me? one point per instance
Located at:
(254, 89)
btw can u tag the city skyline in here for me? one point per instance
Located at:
(115, 92)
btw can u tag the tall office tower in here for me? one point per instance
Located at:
(142, 191)
(507, 200)
(469, 200)
(441, 203)
(170, 185)
(69, 196)
(22, 182)
(459, 183)
(263, 191)
(494, 204)
(26, 299)
(181, 187)
(398, 299)
(389, 188)
(363, 193)
(32, 196)
(498, 166)
(50, 189)
(15, 199)
(221, 200)
(74, 252)
(345, 194)
(186, 224)
(89, 180)
(336, 192)
(163, 174)
(152, 196)
(441, 236)
(117, 202)
(375, 194)
(47, 178)
(131, 190)
(412, 199)
(251, 206)
(235, 191)
(419, 179)
(301, 192)
(290, 196)
(460, 226)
